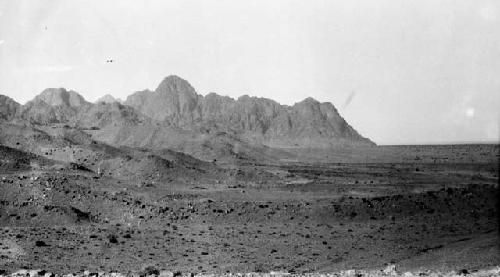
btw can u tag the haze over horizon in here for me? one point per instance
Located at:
(409, 72)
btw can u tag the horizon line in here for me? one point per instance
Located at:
(471, 142)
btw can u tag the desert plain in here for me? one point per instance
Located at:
(432, 207)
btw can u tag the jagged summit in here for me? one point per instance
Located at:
(306, 123)
(54, 105)
(174, 100)
(61, 97)
(309, 100)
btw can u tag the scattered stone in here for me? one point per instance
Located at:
(112, 238)
(165, 273)
(390, 270)
(40, 243)
(149, 271)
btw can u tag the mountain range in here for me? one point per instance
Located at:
(175, 116)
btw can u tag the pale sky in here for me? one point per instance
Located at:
(400, 72)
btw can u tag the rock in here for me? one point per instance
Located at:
(40, 243)
(116, 274)
(22, 272)
(149, 271)
(165, 273)
(348, 273)
(390, 270)
(31, 273)
(112, 238)
(279, 273)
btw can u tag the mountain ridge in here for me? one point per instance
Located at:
(176, 104)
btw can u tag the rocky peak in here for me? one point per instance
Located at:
(7, 101)
(308, 107)
(309, 100)
(176, 85)
(108, 98)
(54, 105)
(61, 97)
(174, 100)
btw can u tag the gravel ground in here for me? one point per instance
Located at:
(153, 272)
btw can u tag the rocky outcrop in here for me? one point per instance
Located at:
(8, 108)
